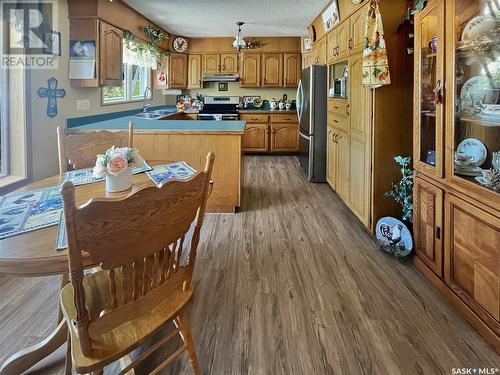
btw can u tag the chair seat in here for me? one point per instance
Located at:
(121, 340)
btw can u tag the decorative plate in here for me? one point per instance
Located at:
(394, 237)
(475, 149)
(478, 26)
(478, 87)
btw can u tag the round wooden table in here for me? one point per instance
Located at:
(34, 254)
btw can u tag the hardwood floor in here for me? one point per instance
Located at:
(292, 284)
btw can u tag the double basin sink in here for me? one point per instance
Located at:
(157, 114)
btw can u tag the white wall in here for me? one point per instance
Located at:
(234, 89)
(43, 128)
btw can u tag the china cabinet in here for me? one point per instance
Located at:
(457, 135)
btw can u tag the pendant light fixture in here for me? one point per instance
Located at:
(239, 43)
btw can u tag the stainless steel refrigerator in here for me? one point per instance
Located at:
(311, 110)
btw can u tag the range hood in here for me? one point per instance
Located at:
(220, 77)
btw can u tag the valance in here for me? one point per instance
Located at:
(142, 58)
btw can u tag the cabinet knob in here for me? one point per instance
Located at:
(438, 232)
(347, 110)
(350, 43)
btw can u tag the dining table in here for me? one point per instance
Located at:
(34, 254)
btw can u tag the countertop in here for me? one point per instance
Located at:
(273, 111)
(177, 126)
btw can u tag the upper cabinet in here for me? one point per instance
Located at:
(250, 70)
(194, 72)
(428, 102)
(229, 63)
(110, 51)
(319, 51)
(177, 78)
(357, 24)
(291, 69)
(343, 40)
(272, 70)
(210, 64)
(307, 59)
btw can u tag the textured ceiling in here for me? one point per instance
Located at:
(203, 18)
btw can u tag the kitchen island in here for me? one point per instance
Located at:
(190, 141)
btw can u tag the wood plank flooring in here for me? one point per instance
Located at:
(292, 284)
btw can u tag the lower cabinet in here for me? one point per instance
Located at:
(256, 138)
(270, 133)
(338, 162)
(360, 178)
(331, 159)
(472, 258)
(428, 224)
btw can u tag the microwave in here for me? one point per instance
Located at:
(340, 87)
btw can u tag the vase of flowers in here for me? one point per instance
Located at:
(117, 165)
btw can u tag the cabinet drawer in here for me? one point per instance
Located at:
(253, 117)
(338, 106)
(338, 120)
(290, 117)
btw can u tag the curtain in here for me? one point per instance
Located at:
(142, 58)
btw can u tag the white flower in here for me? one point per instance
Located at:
(99, 171)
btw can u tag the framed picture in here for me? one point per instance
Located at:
(223, 86)
(52, 43)
(331, 16)
(250, 99)
(82, 49)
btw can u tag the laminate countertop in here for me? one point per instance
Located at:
(166, 126)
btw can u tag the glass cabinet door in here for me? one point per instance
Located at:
(476, 84)
(429, 45)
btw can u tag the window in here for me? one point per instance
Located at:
(3, 127)
(135, 81)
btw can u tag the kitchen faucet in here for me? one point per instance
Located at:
(147, 99)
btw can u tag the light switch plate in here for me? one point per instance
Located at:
(82, 105)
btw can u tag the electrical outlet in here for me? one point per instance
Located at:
(82, 105)
(285, 97)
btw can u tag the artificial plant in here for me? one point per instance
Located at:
(141, 48)
(402, 191)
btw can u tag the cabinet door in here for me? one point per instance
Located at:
(360, 178)
(331, 46)
(110, 55)
(357, 24)
(256, 138)
(429, 78)
(178, 71)
(472, 258)
(343, 175)
(307, 59)
(343, 31)
(194, 72)
(322, 51)
(229, 63)
(272, 70)
(427, 224)
(359, 108)
(210, 64)
(250, 70)
(284, 137)
(331, 158)
(291, 69)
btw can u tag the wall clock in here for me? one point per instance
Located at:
(180, 44)
(357, 1)
(311, 33)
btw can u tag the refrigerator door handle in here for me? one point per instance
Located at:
(300, 98)
(305, 136)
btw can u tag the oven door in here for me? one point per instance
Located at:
(306, 149)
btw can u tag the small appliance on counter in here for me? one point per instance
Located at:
(218, 108)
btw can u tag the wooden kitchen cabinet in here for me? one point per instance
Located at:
(428, 224)
(357, 29)
(194, 72)
(472, 258)
(342, 161)
(331, 46)
(291, 69)
(210, 64)
(343, 40)
(177, 78)
(331, 158)
(256, 138)
(110, 55)
(229, 63)
(272, 70)
(307, 59)
(250, 70)
(284, 137)
(319, 52)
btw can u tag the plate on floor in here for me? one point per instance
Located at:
(394, 237)
(475, 149)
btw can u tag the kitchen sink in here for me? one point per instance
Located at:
(155, 115)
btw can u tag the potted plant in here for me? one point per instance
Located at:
(402, 191)
(117, 165)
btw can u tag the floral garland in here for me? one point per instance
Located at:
(142, 48)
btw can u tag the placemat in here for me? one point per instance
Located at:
(62, 238)
(85, 176)
(30, 210)
(161, 173)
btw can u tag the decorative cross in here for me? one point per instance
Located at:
(52, 93)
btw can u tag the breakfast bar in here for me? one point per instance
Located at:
(190, 141)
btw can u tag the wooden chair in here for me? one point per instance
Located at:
(143, 283)
(79, 150)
